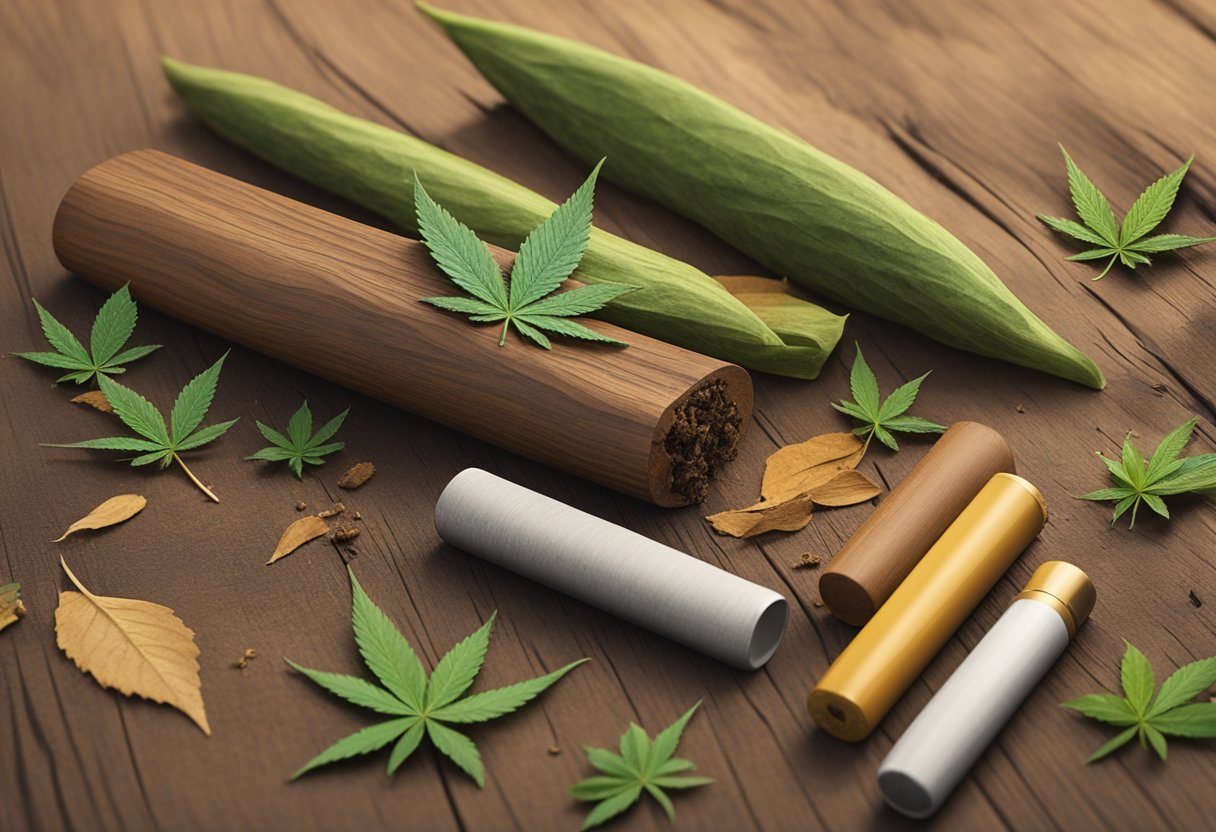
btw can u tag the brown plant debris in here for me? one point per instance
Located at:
(820, 471)
(297, 534)
(11, 607)
(703, 437)
(554, 750)
(357, 475)
(344, 533)
(1194, 599)
(333, 511)
(243, 661)
(808, 561)
(95, 399)
(301, 505)
(135, 647)
(113, 511)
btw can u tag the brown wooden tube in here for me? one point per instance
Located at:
(910, 519)
(340, 299)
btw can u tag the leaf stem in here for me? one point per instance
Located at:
(1108, 267)
(195, 479)
(502, 339)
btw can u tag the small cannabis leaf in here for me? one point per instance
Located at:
(1164, 475)
(1125, 243)
(11, 607)
(300, 445)
(1150, 717)
(882, 418)
(418, 705)
(642, 764)
(112, 328)
(159, 444)
(547, 257)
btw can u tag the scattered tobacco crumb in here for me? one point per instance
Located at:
(358, 516)
(702, 438)
(1020, 408)
(1195, 602)
(243, 661)
(808, 561)
(300, 506)
(344, 533)
(357, 475)
(94, 399)
(554, 750)
(333, 511)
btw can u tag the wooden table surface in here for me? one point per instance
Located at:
(955, 106)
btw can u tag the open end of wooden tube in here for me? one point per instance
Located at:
(698, 436)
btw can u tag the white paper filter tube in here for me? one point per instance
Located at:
(960, 721)
(610, 567)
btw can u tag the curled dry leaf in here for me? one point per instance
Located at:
(799, 469)
(95, 399)
(297, 534)
(11, 607)
(135, 647)
(787, 516)
(357, 475)
(819, 471)
(846, 489)
(113, 511)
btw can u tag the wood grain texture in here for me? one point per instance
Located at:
(893, 539)
(341, 300)
(956, 106)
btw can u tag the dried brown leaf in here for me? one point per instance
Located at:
(337, 509)
(113, 511)
(297, 534)
(788, 516)
(95, 399)
(799, 469)
(135, 647)
(11, 607)
(357, 475)
(847, 488)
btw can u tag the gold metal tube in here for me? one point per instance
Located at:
(883, 660)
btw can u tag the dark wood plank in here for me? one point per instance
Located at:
(955, 106)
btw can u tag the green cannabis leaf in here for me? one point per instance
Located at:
(1150, 717)
(11, 607)
(300, 445)
(883, 417)
(547, 257)
(159, 444)
(1125, 243)
(112, 329)
(418, 705)
(1164, 475)
(641, 765)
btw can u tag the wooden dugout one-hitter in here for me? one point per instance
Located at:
(341, 300)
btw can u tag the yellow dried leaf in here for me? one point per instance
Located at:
(111, 512)
(95, 399)
(799, 469)
(135, 647)
(11, 607)
(297, 534)
(788, 516)
(845, 489)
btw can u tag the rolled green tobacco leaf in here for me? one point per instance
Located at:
(375, 166)
(771, 195)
